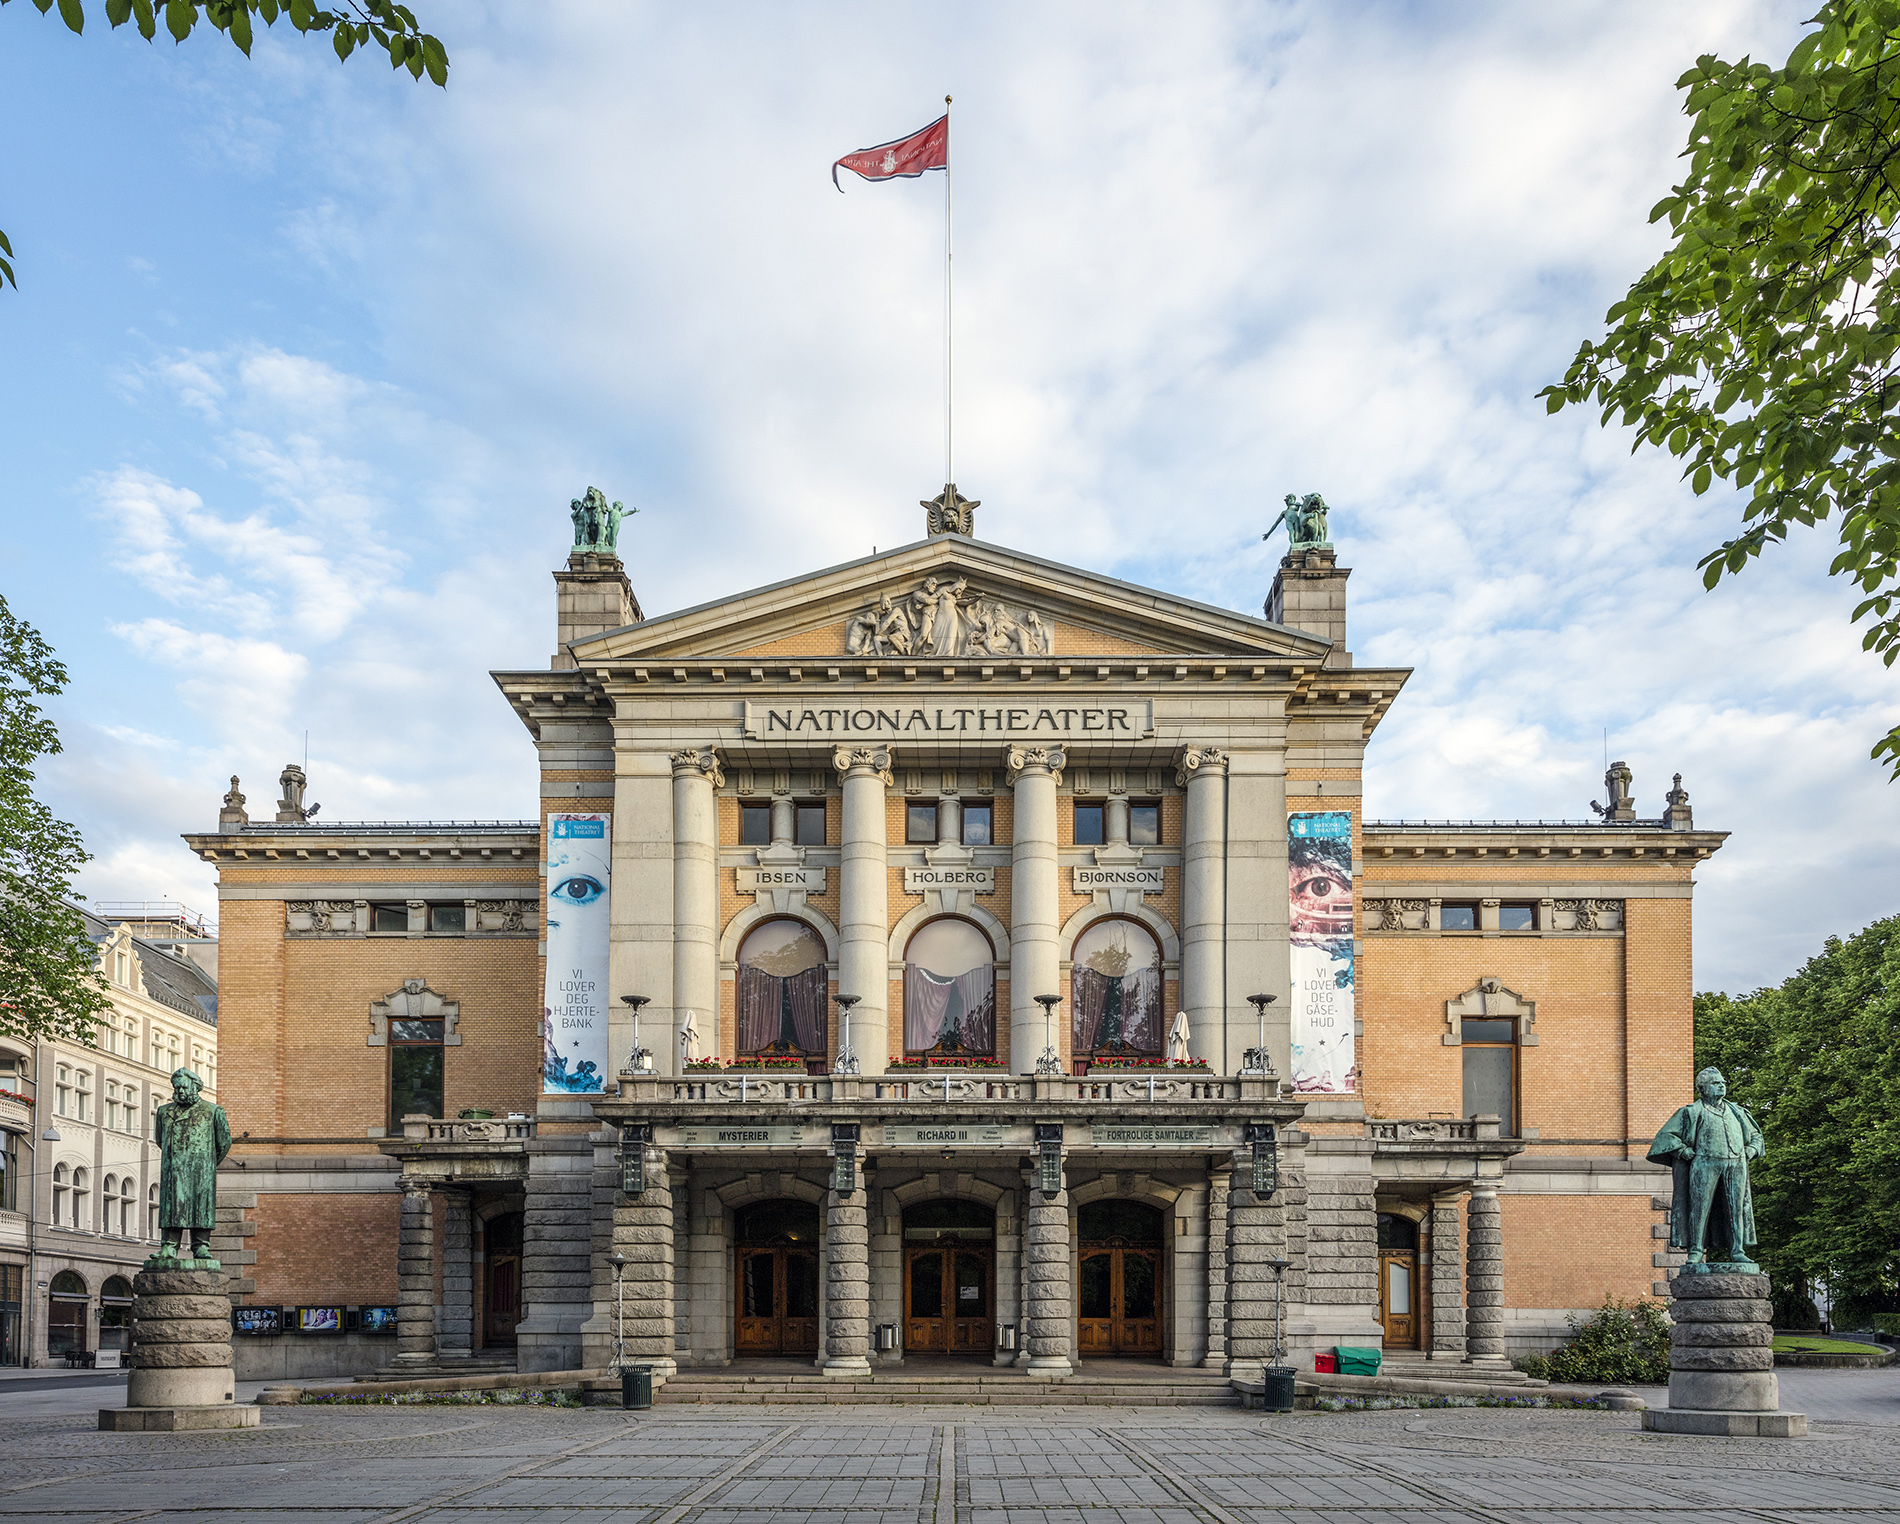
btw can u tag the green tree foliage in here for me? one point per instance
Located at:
(1817, 1062)
(358, 24)
(1764, 346)
(49, 980)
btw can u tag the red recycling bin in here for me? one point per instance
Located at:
(1326, 1364)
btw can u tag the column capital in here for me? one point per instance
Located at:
(860, 761)
(1485, 1188)
(1034, 760)
(703, 760)
(1192, 762)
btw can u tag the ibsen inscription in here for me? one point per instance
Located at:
(1111, 720)
(981, 880)
(751, 880)
(1088, 880)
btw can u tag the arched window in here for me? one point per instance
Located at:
(1115, 981)
(82, 1198)
(109, 1203)
(949, 989)
(782, 989)
(151, 1212)
(67, 1299)
(62, 1183)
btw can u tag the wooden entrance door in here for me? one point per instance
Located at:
(778, 1301)
(501, 1278)
(949, 1298)
(1398, 1297)
(1120, 1299)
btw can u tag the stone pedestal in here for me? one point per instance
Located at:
(181, 1374)
(1721, 1360)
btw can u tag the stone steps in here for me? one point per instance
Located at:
(1001, 1391)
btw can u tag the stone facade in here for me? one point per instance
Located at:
(1014, 755)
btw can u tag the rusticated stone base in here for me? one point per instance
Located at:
(222, 1415)
(1731, 1425)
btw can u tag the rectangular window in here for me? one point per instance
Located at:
(920, 822)
(977, 828)
(83, 1097)
(1517, 917)
(755, 825)
(63, 1092)
(389, 918)
(415, 1071)
(448, 918)
(1088, 825)
(9, 1195)
(1490, 1062)
(1144, 825)
(1458, 916)
(810, 828)
(112, 1105)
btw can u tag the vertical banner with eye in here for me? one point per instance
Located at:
(1319, 899)
(574, 1001)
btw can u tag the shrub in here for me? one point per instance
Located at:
(1535, 1366)
(1621, 1342)
(1795, 1309)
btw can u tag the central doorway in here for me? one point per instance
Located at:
(1120, 1291)
(778, 1279)
(949, 1278)
(1398, 1280)
(501, 1278)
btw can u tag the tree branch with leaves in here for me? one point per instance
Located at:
(1763, 348)
(355, 24)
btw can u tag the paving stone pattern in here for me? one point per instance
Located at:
(938, 1465)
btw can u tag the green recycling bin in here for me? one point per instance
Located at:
(1276, 1388)
(636, 1386)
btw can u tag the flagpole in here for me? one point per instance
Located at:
(949, 350)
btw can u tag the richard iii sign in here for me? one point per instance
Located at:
(1128, 720)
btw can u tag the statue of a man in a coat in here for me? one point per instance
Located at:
(1708, 1144)
(193, 1138)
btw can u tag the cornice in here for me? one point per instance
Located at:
(1529, 841)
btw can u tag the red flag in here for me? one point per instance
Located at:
(905, 159)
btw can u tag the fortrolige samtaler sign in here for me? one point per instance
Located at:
(1112, 720)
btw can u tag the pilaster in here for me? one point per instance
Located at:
(1202, 771)
(643, 1232)
(456, 1339)
(415, 1277)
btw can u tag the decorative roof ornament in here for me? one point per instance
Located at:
(1305, 520)
(951, 513)
(597, 523)
(1616, 783)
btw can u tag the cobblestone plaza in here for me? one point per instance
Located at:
(939, 1465)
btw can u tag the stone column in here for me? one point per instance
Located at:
(1218, 1182)
(1115, 823)
(1484, 1280)
(457, 1338)
(1035, 772)
(415, 1278)
(848, 1282)
(1256, 1233)
(784, 820)
(1051, 1320)
(863, 902)
(1447, 1340)
(1202, 771)
(643, 1231)
(949, 821)
(696, 773)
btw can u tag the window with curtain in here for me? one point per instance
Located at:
(782, 989)
(1115, 981)
(949, 989)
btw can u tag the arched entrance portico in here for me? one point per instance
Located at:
(949, 1278)
(778, 1278)
(1118, 1290)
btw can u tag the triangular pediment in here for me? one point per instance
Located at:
(949, 597)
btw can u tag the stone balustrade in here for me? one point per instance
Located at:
(947, 1086)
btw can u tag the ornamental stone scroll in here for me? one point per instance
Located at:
(1036, 759)
(415, 1001)
(876, 760)
(703, 760)
(1198, 762)
(1489, 1000)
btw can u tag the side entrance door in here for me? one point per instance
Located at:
(948, 1299)
(778, 1302)
(1120, 1299)
(501, 1278)
(1398, 1297)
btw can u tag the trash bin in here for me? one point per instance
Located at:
(636, 1386)
(1325, 1362)
(1276, 1388)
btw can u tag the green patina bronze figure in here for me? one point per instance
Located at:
(1305, 520)
(193, 1138)
(1708, 1144)
(597, 522)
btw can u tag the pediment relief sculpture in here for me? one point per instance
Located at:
(942, 617)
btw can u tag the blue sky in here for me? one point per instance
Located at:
(309, 359)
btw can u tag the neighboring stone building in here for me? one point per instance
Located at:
(945, 781)
(79, 1196)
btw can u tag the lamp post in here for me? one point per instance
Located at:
(642, 1060)
(619, 1262)
(847, 1062)
(1051, 1061)
(1256, 1061)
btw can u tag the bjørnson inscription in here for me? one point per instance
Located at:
(1111, 720)
(1088, 880)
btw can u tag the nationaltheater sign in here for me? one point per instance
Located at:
(1126, 720)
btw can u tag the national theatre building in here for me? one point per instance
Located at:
(952, 953)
